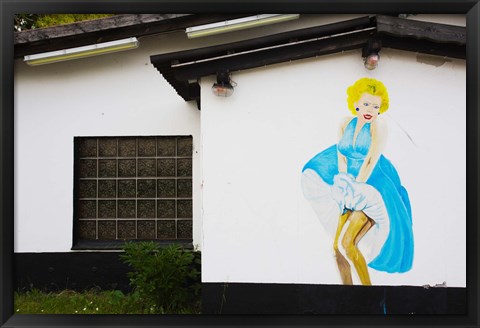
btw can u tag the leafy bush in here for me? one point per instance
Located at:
(165, 278)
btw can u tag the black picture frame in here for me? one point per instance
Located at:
(9, 7)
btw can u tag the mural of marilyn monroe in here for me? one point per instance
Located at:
(357, 194)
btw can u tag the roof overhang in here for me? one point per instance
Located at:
(106, 29)
(183, 69)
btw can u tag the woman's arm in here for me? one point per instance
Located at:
(342, 161)
(379, 135)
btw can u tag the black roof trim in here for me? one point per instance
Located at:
(183, 69)
(434, 32)
(262, 42)
(106, 29)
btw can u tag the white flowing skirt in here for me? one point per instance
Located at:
(329, 201)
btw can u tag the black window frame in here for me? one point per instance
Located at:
(117, 244)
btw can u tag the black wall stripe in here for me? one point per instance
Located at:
(243, 298)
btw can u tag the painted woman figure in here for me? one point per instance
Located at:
(357, 194)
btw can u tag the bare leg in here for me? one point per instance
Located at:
(370, 223)
(342, 263)
(358, 223)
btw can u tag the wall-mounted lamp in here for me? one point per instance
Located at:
(371, 61)
(223, 87)
(370, 53)
(81, 52)
(237, 24)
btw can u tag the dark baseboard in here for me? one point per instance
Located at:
(73, 270)
(105, 271)
(245, 298)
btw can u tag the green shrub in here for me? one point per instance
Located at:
(165, 278)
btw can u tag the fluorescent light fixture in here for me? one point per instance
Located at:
(237, 24)
(81, 52)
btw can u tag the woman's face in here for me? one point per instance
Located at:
(368, 107)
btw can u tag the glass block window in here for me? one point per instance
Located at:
(133, 188)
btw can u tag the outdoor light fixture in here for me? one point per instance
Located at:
(371, 53)
(371, 61)
(237, 24)
(223, 87)
(81, 52)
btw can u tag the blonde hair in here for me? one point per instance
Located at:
(367, 85)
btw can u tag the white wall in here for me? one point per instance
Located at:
(257, 225)
(115, 95)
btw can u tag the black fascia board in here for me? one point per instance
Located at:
(106, 29)
(423, 37)
(273, 55)
(428, 31)
(263, 42)
(423, 46)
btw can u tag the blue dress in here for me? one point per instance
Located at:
(396, 254)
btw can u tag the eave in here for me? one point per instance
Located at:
(106, 29)
(183, 69)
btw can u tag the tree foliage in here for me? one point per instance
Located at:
(32, 21)
(24, 21)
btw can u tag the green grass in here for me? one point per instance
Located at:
(89, 302)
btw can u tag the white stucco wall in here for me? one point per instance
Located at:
(115, 95)
(257, 225)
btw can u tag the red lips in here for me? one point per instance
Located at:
(367, 116)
